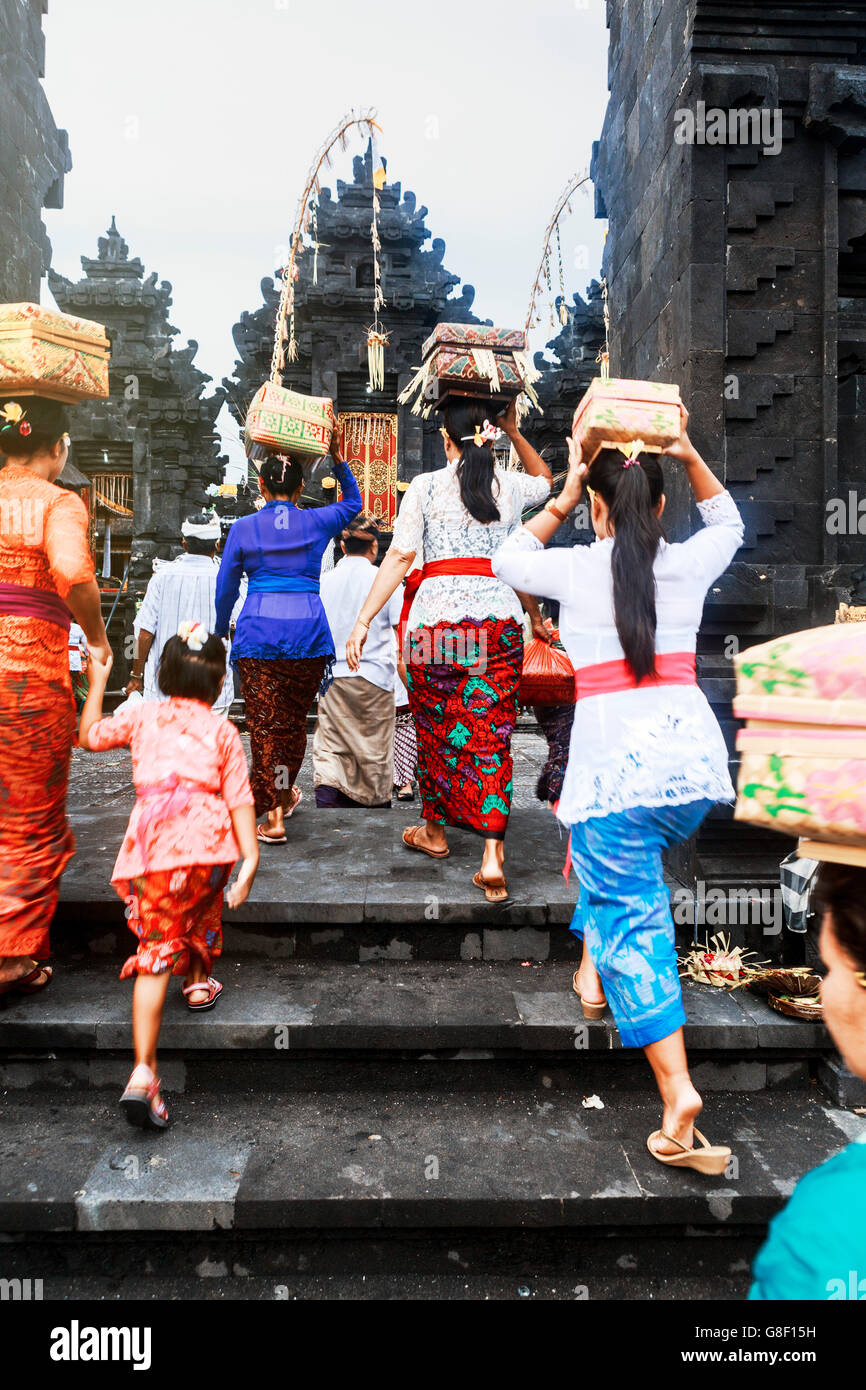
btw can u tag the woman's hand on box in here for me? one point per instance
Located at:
(684, 449)
(572, 492)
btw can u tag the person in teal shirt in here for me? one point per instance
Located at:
(816, 1246)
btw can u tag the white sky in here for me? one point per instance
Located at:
(195, 121)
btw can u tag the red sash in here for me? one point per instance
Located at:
(465, 564)
(608, 677)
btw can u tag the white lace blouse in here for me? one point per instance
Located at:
(653, 746)
(434, 524)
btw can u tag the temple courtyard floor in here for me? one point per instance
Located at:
(396, 1096)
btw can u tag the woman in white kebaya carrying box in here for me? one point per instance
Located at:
(647, 759)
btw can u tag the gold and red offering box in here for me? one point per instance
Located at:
(286, 421)
(471, 359)
(803, 749)
(616, 411)
(46, 353)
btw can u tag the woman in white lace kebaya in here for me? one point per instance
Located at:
(647, 759)
(465, 641)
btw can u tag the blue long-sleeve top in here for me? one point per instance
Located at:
(280, 549)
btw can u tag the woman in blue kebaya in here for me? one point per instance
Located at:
(283, 645)
(816, 1246)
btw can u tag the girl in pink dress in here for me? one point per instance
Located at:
(193, 818)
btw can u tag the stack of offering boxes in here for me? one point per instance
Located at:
(803, 748)
(471, 359)
(280, 421)
(53, 355)
(614, 413)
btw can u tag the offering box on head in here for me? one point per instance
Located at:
(46, 353)
(471, 359)
(616, 411)
(282, 421)
(803, 749)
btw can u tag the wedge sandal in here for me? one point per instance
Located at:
(709, 1158)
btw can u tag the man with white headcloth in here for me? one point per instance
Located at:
(180, 591)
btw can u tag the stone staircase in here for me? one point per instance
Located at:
(388, 1100)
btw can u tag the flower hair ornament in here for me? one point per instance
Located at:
(14, 414)
(632, 452)
(194, 635)
(484, 434)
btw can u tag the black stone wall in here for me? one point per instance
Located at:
(741, 274)
(34, 154)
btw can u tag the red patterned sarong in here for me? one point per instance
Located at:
(37, 727)
(463, 680)
(176, 914)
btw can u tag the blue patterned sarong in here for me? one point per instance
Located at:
(624, 913)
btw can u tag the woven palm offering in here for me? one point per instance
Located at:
(793, 982)
(803, 750)
(717, 963)
(46, 353)
(614, 412)
(471, 359)
(281, 421)
(807, 1008)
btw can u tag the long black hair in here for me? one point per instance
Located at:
(282, 475)
(632, 492)
(475, 468)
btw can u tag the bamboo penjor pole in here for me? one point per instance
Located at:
(285, 345)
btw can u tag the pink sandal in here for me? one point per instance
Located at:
(140, 1103)
(214, 989)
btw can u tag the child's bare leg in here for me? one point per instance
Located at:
(148, 1002)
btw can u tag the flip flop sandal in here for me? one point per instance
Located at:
(590, 1011)
(26, 984)
(141, 1107)
(214, 989)
(495, 890)
(406, 796)
(409, 838)
(709, 1158)
(267, 839)
(295, 804)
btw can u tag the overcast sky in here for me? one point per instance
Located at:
(195, 121)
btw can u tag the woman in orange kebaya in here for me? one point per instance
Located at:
(46, 575)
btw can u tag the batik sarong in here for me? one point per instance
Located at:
(463, 680)
(37, 728)
(405, 747)
(177, 916)
(353, 746)
(278, 696)
(624, 913)
(555, 722)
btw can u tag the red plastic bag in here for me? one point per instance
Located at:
(548, 675)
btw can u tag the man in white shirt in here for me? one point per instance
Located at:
(182, 590)
(353, 747)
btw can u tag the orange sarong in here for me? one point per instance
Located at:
(37, 726)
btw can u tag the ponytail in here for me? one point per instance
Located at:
(632, 494)
(464, 418)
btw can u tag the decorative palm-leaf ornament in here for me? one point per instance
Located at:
(285, 344)
(718, 963)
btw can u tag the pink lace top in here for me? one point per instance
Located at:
(190, 771)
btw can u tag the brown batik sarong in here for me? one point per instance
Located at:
(278, 696)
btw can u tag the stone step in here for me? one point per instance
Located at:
(390, 1161)
(284, 1025)
(540, 1265)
